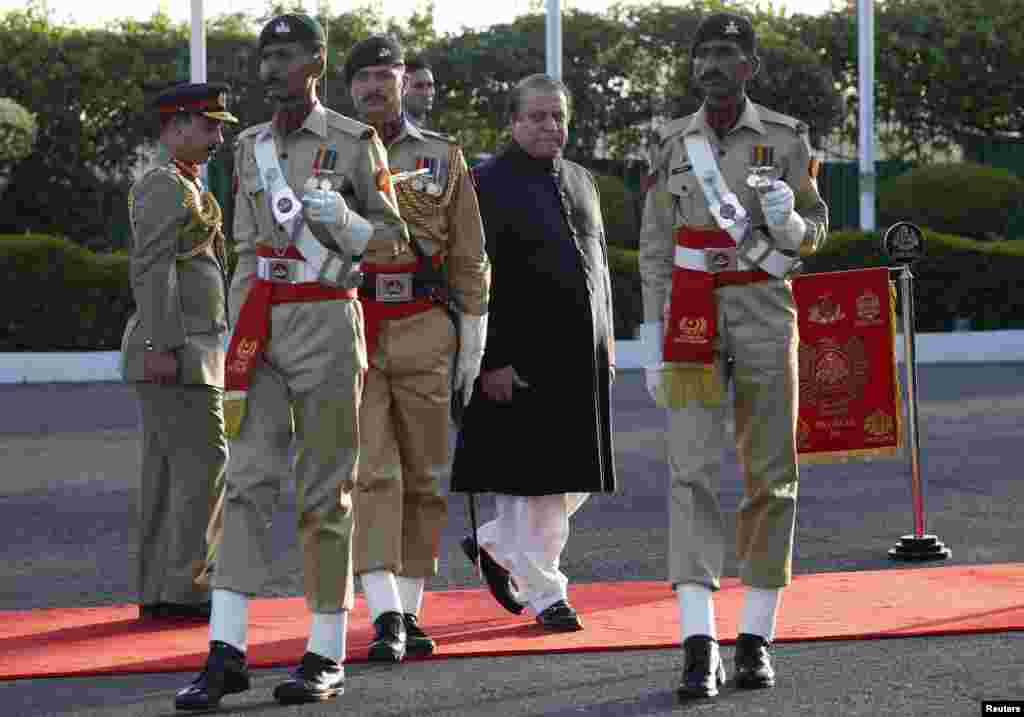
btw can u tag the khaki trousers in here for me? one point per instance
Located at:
(184, 454)
(404, 454)
(307, 385)
(757, 326)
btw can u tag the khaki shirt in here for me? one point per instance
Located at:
(178, 277)
(360, 168)
(446, 221)
(669, 206)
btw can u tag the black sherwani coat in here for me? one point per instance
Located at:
(550, 317)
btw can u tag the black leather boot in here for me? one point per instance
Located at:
(703, 672)
(225, 674)
(389, 642)
(753, 662)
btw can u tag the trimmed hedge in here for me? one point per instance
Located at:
(963, 199)
(617, 212)
(61, 296)
(66, 298)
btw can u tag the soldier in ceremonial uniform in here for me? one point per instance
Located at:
(411, 344)
(173, 349)
(718, 245)
(296, 359)
(418, 91)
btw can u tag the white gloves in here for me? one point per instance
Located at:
(652, 337)
(472, 337)
(786, 226)
(324, 206)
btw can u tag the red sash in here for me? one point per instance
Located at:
(691, 325)
(252, 330)
(376, 311)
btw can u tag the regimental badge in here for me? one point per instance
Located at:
(284, 205)
(732, 28)
(384, 52)
(869, 309)
(282, 28)
(833, 375)
(879, 424)
(825, 311)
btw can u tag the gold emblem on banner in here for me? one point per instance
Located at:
(693, 330)
(869, 309)
(879, 424)
(247, 348)
(825, 311)
(803, 435)
(833, 375)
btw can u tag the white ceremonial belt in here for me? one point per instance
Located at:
(709, 260)
(284, 271)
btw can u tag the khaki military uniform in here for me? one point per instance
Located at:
(400, 511)
(178, 281)
(755, 348)
(308, 380)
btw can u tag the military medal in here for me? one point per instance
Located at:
(763, 171)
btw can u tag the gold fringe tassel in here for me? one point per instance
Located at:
(234, 413)
(685, 383)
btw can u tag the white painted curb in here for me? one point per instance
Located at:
(91, 366)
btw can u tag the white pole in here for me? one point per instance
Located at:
(866, 93)
(553, 34)
(197, 61)
(197, 46)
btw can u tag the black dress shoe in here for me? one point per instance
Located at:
(703, 672)
(175, 611)
(389, 638)
(225, 674)
(560, 617)
(753, 662)
(316, 679)
(417, 642)
(498, 579)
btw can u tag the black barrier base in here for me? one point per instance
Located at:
(913, 548)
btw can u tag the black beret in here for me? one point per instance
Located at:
(205, 98)
(374, 50)
(293, 27)
(726, 26)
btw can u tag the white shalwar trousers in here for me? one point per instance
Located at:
(527, 538)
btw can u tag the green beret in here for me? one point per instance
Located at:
(374, 50)
(726, 26)
(293, 27)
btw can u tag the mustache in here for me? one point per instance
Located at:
(712, 75)
(372, 96)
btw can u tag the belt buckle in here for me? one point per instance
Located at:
(282, 271)
(720, 259)
(394, 288)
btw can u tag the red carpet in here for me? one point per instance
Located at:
(618, 616)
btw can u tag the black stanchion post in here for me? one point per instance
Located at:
(904, 244)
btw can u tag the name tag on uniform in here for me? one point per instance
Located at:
(394, 287)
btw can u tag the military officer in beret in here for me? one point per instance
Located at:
(311, 188)
(719, 243)
(173, 349)
(411, 344)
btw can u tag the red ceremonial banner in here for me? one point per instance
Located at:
(849, 386)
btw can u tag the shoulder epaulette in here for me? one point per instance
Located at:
(336, 120)
(774, 117)
(674, 127)
(250, 131)
(438, 135)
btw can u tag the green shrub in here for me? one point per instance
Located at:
(60, 296)
(617, 211)
(956, 278)
(964, 199)
(627, 299)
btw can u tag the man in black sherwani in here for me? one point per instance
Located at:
(538, 432)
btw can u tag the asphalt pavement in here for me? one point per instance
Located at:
(68, 473)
